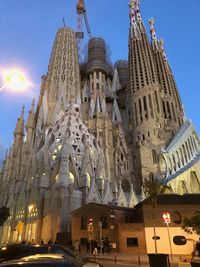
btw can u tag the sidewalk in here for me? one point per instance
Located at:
(134, 260)
(124, 258)
(128, 259)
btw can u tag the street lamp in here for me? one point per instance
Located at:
(167, 220)
(14, 79)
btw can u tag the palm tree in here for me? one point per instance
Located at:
(152, 189)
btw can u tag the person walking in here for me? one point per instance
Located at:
(77, 247)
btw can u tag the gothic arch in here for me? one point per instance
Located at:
(182, 188)
(194, 182)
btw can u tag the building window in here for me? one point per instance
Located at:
(154, 156)
(84, 222)
(104, 221)
(132, 242)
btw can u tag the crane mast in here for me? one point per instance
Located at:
(81, 13)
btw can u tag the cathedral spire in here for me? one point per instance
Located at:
(132, 11)
(154, 39)
(134, 29)
(20, 124)
(30, 124)
(22, 112)
(171, 102)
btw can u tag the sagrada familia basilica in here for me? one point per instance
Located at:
(96, 132)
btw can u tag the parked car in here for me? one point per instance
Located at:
(18, 251)
(44, 260)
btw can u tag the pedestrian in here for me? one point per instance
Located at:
(49, 242)
(41, 242)
(95, 252)
(77, 247)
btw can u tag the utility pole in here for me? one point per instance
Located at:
(100, 235)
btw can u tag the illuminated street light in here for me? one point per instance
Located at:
(167, 220)
(14, 80)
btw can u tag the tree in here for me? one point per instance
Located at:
(192, 224)
(152, 189)
(4, 214)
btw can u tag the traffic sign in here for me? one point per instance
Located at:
(166, 217)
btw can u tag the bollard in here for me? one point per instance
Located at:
(139, 261)
(115, 258)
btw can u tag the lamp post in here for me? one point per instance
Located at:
(167, 220)
(100, 235)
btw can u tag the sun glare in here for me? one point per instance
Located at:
(15, 80)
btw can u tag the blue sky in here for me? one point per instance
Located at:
(28, 28)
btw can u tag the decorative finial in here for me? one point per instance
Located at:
(137, 10)
(162, 42)
(132, 11)
(132, 4)
(152, 29)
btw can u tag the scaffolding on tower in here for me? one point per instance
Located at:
(81, 13)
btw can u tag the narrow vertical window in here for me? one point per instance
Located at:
(169, 111)
(157, 103)
(140, 107)
(151, 106)
(136, 115)
(145, 107)
(164, 110)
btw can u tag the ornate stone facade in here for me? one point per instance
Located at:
(97, 132)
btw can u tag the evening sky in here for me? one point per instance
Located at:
(28, 28)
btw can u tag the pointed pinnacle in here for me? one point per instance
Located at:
(33, 105)
(162, 42)
(22, 113)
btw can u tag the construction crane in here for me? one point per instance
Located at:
(81, 12)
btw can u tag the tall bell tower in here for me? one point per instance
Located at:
(149, 117)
